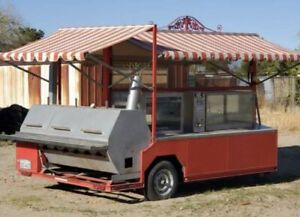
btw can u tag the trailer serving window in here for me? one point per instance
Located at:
(230, 110)
(169, 112)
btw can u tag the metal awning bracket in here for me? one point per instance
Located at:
(228, 71)
(24, 70)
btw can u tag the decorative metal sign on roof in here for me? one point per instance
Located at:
(188, 24)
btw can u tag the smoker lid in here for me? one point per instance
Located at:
(89, 145)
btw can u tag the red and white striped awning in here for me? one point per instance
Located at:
(73, 43)
(217, 46)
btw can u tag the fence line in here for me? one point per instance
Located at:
(280, 91)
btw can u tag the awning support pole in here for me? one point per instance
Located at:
(110, 86)
(257, 109)
(229, 72)
(278, 72)
(124, 74)
(25, 70)
(96, 60)
(154, 90)
(254, 83)
(85, 74)
(252, 71)
(59, 89)
(133, 72)
(128, 76)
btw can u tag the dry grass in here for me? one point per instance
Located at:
(288, 121)
(5, 143)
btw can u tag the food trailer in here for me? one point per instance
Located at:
(158, 138)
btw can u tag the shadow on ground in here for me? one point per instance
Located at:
(122, 197)
(288, 170)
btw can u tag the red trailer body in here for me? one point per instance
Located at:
(199, 158)
(217, 156)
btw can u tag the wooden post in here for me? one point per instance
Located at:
(106, 77)
(52, 83)
(59, 89)
(292, 84)
(55, 83)
(253, 83)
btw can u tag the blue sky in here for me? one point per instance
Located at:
(275, 20)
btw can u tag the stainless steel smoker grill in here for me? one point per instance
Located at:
(107, 140)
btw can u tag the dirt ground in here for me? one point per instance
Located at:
(273, 195)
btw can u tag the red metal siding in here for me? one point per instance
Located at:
(28, 152)
(218, 156)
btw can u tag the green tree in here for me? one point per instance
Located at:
(29, 34)
(13, 33)
(266, 68)
(8, 30)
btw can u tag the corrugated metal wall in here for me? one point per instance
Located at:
(177, 76)
(90, 91)
(21, 88)
(13, 87)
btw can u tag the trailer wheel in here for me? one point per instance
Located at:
(162, 181)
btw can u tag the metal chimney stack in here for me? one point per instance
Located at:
(133, 96)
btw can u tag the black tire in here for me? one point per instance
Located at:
(162, 181)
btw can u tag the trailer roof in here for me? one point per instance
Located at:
(72, 44)
(192, 46)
